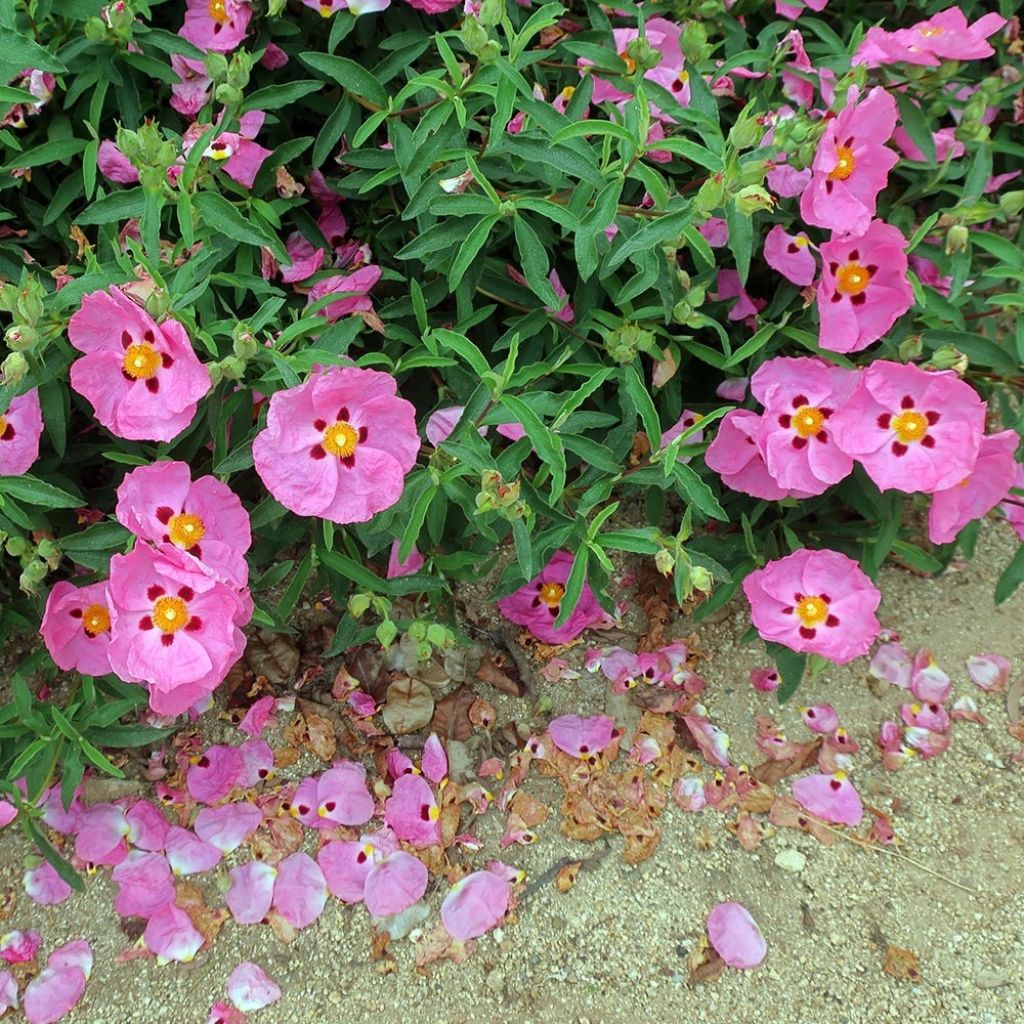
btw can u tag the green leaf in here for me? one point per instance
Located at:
(294, 590)
(272, 97)
(464, 348)
(105, 536)
(1012, 576)
(913, 120)
(546, 443)
(534, 259)
(226, 218)
(55, 151)
(469, 249)
(49, 851)
(640, 399)
(37, 492)
(116, 207)
(116, 736)
(348, 74)
(741, 239)
(18, 52)
(574, 585)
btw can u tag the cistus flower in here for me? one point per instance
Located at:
(238, 153)
(353, 291)
(76, 628)
(203, 518)
(944, 36)
(20, 429)
(800, 396)
(142, 378)
(912, 429)
(339, 445)
(863, 289)
(817, 602)
(851, 164)
(218, 25)
(173, 627)
(538, 604)
(192, 90)
(979, 492)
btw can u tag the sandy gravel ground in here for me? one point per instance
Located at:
(613, 950)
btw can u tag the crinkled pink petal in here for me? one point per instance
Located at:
(765, 679)
(582, 737)
(53, 993)
(345, 866)
(222, 1013)
(735, 936)
(8, 992)
(251, 891)
(713, 741)
(249, 988)
(258, 716)
(342, 795)
(412, 812)
(893, 663)
(395, 883)
(19, 947)
(147, 826)
(989, 671)
(101, 835)
(434, 761)
(821, 718)
(229, 826)
(830, 797)
(300, 891)
(257, 763)
(170, 935)
(144, 884)
(475, 904)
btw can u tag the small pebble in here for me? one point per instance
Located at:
(791, 860)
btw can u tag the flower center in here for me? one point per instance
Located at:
(186, 530)
(96, 619)
(567, 93)
(551, 594)
(845, 163)
(219, 150)
(852, 278)
(630, 63)
(812, 611)
(808, 421)
(932, 30)
(3, 426)
(910, 426)
(170, 614)
(218, 11)
(141, 361)
(341, 439)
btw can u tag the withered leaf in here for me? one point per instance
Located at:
(320, 739)
(367, 665)
(902, 964)
(205, 920)
(567, 875)
(705, 965)
(272, 655)
(408, 706)
(451, 718)
(770, 772)
(502, 674)
(532, 811)
(482, 713)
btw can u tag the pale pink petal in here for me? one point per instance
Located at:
(735, 936)
(251, 891)
(989, 671)
(397, 882)
(300, 891)
(830, 797)
(170, 935)
(820, 718)
(582, 737)
(475, 904)
(434, 761)
(45, 886)
(19, 947)
(249, 988)
(229, 826)
(258, 716)
(188, 854)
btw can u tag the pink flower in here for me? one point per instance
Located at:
(172, 627)
(790, 255)
(793, 11)
(735, 936)
(564, 312)
(192, 92)
(273, 57)
(442, 422)
(203, 518)
(475, 904)
(412, 813)
(735, 456)
(143, 379)
(355, 288)
(537, 605)
(912, 429)
(819, 602)
(342, 797)
(583, 738)
(733, 389)
(851, 164)
(433, 6)
(241, 156)
(715, 232)
(948, 36)
(688, 420)
(1013, 507)
(863, 289)
(796, 439)
(76, 628)
(411, 565)
(729, 287)
(249, 988)
(113, 164)
(218, 25)
(929, 274)
(21, 426)
(338, 446)
(830, 797)
(354, 7)
(55, 991)
(306, 260)
(979, 492)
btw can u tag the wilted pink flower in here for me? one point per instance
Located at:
(715, 232)
(979, 492)
(583, 737)
(192, 92)
(412, 813)
(113, 164)
(442, 422)
(830, 797)
(40, 84)
(475, 904)
(926, 716)
(819, 602)
(688, 793)
(863, 289)
(790, 255)
(218, 25)
(946, 144)
(735, 936)
(143, 379)
(20, 429)
(342, 797)
(76, 627)
(258, 716)
(735, 456)
(912, 429)
(273, 57)
(172, 627)
(800, 396)
(929, 274)
(19, 947)
(564, 312)
(712, 740)
(249, 988)
(57, 988)
(251, 891)
(538, 604)
(300, 891)
(928, 682)
(203, 518)
(306, 259)
(989, 671)
(411, 565)
(338, 446)
(170, 935)
(353, 292)
(851, 164)
(733, 389)
(927, 742)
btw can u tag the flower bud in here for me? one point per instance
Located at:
(32, 575)
(95, 30)
(16, 547)
(474, 35)
(386, 633)
(948, 357)
(216, 65)
(753, 198)
(357, 605)
(624, 343)
(229, 95)
(957, 239)
(1011, 203)
(14, 368)
(29, 303)
(244, 345)
(665, 561)
(710, 195)
(20, 337)
(491, 12)
(701, 579)
(641, 55)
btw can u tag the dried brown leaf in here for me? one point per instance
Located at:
(567, 875)
(502, 674)
(902, 964)
(272, 655)
(770, 772)
(451, 717)
(705, 965)
(320, 739)
(532, 811)
(482, 714)
(408, 707)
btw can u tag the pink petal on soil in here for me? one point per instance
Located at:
(188, 854)
(170, 935)
(45, 886)
(144, 884)
(147, 827)
(300, 891)
(221, 1013)
(475, 904)
(582, 737)
(101, 833)
(52, 994)
(8, 992)
(214, 774)
(830, 797)
(19, 947)
(892, 663)
(258, 716)
(8, 812)
(229, 826)
(713, 742)
(396, 883)
(257, 763)
(342, 796)
(249, 988)
(820, 718)
(251, 891)
(735, 936)
(434, 762)
(989, 671)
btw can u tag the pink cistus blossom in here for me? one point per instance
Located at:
(475, 904)
(353, 291)
(238, 152)
(203, 518)
(21, 426)
(851, 164)
(411, 565)
(143, 379)
(339, 445)
(800, 396)
(537, 605)
(863, 289)
(735, 936)
(173, 627)
(979, 492)
(76, 628)
(912, 429)
(790, 255)
(818, 602)
(217, 25)
(113, 164)
(944, 36)
(192, 90)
